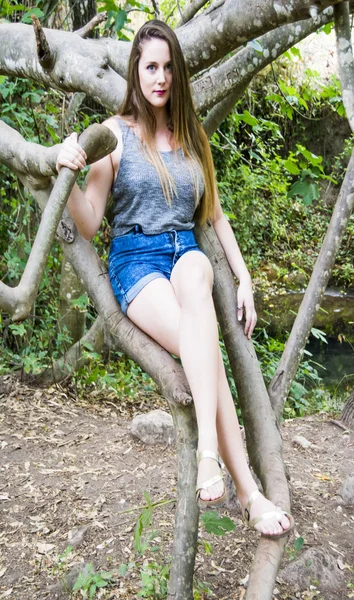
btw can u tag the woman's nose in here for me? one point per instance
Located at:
(161, 75)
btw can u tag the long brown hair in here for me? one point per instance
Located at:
(182, 119)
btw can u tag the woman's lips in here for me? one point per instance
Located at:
(160, 92)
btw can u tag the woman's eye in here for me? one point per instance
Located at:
(169, 67)
(151, 67)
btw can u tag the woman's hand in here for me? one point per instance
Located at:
(245, 302)
(71, 154)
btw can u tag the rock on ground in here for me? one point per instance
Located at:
(155, 427)
(347, 490)
(314, 567)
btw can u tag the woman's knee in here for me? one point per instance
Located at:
(193, 280)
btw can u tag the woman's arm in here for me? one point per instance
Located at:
(233, 254)
(87, 209)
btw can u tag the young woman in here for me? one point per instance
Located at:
(162, 180)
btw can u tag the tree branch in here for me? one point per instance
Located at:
(221, 29)
(90, 26)
(345, 58)
(289, 362)
(190, 10)
(237, 71)
(80, 65)
(45, 56)
(220, 111)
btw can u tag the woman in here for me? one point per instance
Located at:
(162, 180)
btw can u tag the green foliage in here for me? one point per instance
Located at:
(272, 182)
(215, 524)
(88, 581)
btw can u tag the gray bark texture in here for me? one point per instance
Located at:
(347, 416)
(345, 58)
(69, 316)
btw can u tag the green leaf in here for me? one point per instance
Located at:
(249, 119)
(295, 51)
(306, 190)
(37, 12)
(120, 20)
(298, 544)
(217, 525)
(291, 167)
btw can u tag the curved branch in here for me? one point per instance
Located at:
(345, 58)
(228, 25)
(90, 26)
(74, 358)
(289, 362)
(220, 111)
(237, 71)
(190, 10)
(81, 65)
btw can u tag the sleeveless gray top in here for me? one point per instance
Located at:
(137, 195)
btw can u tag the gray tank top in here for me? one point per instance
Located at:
(137, 195)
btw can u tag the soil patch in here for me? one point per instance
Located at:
(69, 467)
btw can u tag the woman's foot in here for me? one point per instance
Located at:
(210, 483)
(263, 516)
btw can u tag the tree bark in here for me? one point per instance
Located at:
(345, 58)
(347, 416)
(70, 289)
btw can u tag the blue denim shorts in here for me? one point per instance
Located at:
(135, 259)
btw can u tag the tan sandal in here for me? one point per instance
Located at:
(265, 516)
(205, 485)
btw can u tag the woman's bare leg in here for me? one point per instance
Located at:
(157, 311)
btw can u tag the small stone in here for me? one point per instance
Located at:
(300, 440)
(155, 427)
(314, 564)
(347, 491)
(76, 536)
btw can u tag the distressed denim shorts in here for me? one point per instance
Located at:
(135, 259)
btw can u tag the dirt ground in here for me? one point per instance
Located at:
(68, 464)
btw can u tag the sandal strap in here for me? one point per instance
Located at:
(251, 499)
(208, 483)
(208, 454)
(268, 515)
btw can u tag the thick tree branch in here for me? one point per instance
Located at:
(345, 58)
(190, 10)
(289, 362)
(98, 67)
(237, 71)
(225, 27)
(80, 65)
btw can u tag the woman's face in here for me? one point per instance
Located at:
(155, 72)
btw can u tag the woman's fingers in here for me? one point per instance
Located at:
(71, 154)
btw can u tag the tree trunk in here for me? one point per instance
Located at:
(71, 317)
(347, 416)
